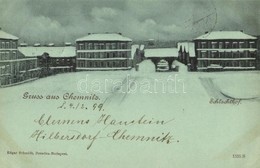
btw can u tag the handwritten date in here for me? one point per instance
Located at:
(81, 106)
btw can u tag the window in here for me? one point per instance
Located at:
(123, 45)
(94, 55)
(90, 46)
(102, 55)
(246, 54)
(203, 54)
(107, 45)
(227, 45)
(14, 55)
(3, 44)
(221, 54)
(251, 64)
(241, 54)
(81, 63)
(2, 55)
(7, 45)
(241, 63)
(220, 44)
(124, 54)
(214, 54)
(241, 44)
(113, 45)
(14, 44)
(214, 44)
(102, 46)
(80, 55)
(251, 44)
(203, 45)
(81, 46)
(119, 54)
(7, 55)
(114, 54)
(209, 54)
(252, 54)
(199, 64)
(234, 45)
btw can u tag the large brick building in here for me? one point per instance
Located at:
(226, 50)
(52, 60)
(14, 67)
(108, 51)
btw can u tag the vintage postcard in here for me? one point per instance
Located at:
(129, 83)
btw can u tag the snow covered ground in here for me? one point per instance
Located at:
(205, 134)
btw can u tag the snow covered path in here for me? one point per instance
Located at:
(207, 134)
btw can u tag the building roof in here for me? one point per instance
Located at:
(104, 37)
(188, 46)
(161, 52)
(216, 35)
(142, 47)
(68, 51)
(4, 35)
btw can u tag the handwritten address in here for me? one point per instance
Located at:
(105, 121)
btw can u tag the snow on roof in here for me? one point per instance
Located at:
(37, 45)
(188, 46)
(224, 35)
(23, 44)
(142, 47)
(133, 50)
(4, 35)
(161, 52)
(68, 43)
(104, 37)
(52, 51)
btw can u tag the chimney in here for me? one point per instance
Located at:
(120, 33)
(206, 32)
(89, 33)
(242, 31)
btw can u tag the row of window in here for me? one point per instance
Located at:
(101, 46)
(67, 61)
(19, 66)
(101, 64)
(214, 54)
(244, 63)
(103, 55)
(8, 55)
(5, 69)
(227, 44)
(64, 61)
(19, 77)
(8, 45)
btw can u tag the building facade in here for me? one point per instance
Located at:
(14, 67)
(162, 58)
(109, 51)
(52, 60)
(226, 50)
(187, 55)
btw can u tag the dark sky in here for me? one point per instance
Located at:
(66, 20)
